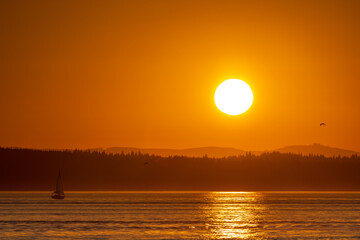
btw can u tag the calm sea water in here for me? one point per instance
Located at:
(180, 215)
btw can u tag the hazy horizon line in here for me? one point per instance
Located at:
(171, 148)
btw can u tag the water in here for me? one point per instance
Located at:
(180, 215)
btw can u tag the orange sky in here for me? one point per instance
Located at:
(84, 74)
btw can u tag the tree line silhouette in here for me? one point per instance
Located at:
(27, 169)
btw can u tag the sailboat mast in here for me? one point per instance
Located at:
(59, 185)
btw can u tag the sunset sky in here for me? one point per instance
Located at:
(86, 74)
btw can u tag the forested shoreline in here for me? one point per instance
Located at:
(27, 169)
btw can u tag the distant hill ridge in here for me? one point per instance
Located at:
(190, 152)
(315, 149)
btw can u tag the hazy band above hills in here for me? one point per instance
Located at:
(218, 152)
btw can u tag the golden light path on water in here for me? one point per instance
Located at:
(233, 215)
(180, 215)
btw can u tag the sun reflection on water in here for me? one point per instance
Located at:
(233, 215)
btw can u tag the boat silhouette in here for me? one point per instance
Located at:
(59, 192)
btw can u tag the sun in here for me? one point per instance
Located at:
(233, 97)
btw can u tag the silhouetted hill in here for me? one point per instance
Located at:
(218, 152)
(189, 152)
(317, 149)
(26, 169)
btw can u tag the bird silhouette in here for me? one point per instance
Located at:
(323, 124)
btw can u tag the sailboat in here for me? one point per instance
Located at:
(59, 192)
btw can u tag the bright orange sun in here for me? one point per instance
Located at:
(233, 97)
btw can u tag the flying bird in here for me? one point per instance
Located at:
(323, 124)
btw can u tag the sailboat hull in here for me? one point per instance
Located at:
(57, 196)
